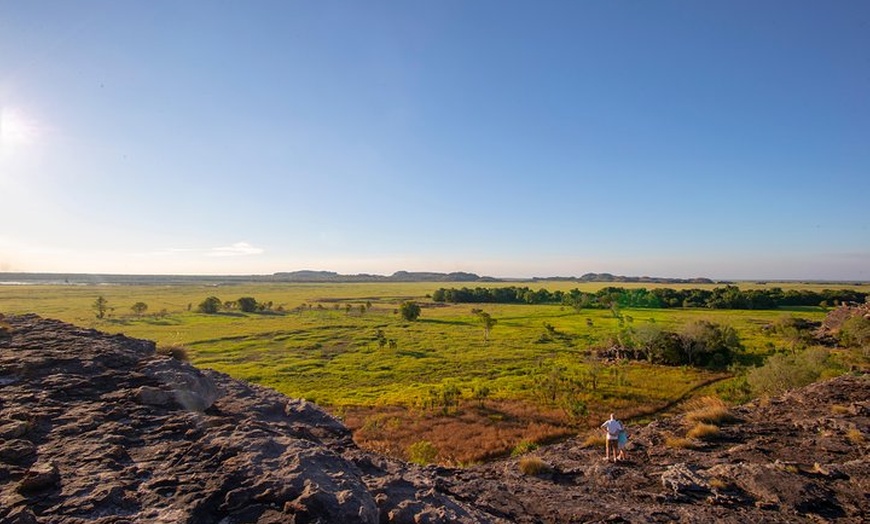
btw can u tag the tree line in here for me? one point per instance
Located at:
(725, 297)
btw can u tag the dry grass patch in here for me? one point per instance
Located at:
(595, 440)
(675, 442)
(709, 410)
(838, 409)
(703, 431)
(533, 466)
(855, 436)
(176, 351)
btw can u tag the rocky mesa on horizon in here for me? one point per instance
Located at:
(99, 428)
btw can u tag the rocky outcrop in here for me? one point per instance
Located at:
(98, 428)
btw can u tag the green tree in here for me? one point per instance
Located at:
(487, 321)
(248, 304)
(101, 305)
(410, 311)
(210, 306)
(139, 308)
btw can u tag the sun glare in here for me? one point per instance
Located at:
(16, 129)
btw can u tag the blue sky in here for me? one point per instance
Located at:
(721, 139)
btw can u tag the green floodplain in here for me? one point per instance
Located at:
(347, 347)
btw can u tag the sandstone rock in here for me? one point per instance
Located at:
(39, 476)
(97, 427)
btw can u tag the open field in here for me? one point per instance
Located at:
(397, 382)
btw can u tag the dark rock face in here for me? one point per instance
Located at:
(97, 428)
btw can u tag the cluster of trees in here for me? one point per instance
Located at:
(700, 343)
(725, 297)
(212, 305)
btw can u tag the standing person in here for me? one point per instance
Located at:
(621, 442)
(611, 428)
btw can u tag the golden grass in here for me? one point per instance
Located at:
(708, 410)
(532, 465)
(176, 351)
(675, 442)
(838, 409)
(703, 431)
(720, 484)
(596, 440)
(855, 436)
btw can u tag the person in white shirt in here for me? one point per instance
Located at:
(611, 427)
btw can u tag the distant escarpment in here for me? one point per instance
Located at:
(99, 428)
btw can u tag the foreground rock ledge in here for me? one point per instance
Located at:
(97, 428)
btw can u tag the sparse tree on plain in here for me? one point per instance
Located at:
(210, 306)
(487, 321)
(139, 308)
(410, 311)
(101, 305)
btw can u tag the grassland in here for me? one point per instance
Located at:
(395, 382)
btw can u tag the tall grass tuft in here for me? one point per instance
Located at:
(176, 351)
(855, 436)
(675, 442)
(703, 431)
(709, 410)
(532, 465)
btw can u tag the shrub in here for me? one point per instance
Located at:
(422, 452)
(703, 431)
(782, 372)
(532, 465)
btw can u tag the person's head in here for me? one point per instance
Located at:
(612, 416)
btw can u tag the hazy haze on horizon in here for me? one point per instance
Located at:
(723, 139)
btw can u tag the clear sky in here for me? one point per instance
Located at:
(724, 139)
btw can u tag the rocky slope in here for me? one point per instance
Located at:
(98, 428)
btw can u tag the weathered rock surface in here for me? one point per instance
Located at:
(97, 428)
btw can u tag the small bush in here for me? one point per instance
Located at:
(422, 452)
(525, 446)
(703, 431)
(532, 465)
(176, 351)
